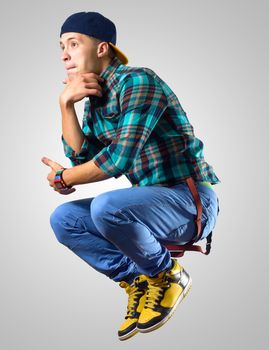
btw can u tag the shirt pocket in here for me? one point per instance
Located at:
(105, 129)
(106, 117)
(109, 108)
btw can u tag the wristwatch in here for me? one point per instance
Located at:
(58, 180)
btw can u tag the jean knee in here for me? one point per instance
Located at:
(102, 213)
(62, 223)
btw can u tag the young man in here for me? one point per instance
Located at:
(133, 124)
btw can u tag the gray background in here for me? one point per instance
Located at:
(214, 55)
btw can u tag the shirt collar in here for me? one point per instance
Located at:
(107, 73)
(110, 69)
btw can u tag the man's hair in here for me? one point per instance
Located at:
(111, 51)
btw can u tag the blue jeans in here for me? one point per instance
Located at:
(120, 233)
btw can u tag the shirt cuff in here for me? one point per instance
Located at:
(77, 158)
(104, 162)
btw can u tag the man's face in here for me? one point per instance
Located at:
(79, 53)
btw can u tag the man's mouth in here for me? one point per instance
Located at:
(71, 67)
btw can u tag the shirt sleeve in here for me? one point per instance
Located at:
(91, 145)
(142, 103)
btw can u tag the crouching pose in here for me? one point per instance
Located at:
(133, 125)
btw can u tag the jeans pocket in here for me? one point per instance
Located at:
(187, 232)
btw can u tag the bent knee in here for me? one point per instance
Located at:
(56, 217)
(101, 206)
(103, 209)
(62, 222)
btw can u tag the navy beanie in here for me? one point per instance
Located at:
(95, 25)
(91, 23)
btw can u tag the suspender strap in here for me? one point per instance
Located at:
(199, 207)
(178, 250)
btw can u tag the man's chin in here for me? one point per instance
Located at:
(72, 71)
(76, 70)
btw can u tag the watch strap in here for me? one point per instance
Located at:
(59, 181)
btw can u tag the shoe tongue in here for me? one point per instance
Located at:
(140, 279)
(124, 284)
(128, 287)
(157, 278)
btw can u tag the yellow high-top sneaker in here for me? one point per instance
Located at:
(164, 293)
(136, 300)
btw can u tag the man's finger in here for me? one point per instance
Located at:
(92, 75)
(70, 77)
(49, 162)
(67, 190)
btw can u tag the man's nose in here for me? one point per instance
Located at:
(65, 56)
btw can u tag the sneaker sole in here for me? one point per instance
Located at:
(163, 321)
(128, 335)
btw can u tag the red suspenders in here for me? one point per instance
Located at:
(177, 250)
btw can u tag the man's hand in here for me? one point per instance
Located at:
(54, 167)
(80, 85)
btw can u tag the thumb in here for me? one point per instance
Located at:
(50, 163)
(69, 78)
(65, 81)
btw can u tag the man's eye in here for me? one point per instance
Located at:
(74, 44)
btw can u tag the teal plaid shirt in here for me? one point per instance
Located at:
(138, 128)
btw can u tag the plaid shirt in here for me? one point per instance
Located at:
(138, 128)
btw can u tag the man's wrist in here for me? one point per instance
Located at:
(66, 104)
(59, 181)
(66, 177)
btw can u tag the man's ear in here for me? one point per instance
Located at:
(102, 49)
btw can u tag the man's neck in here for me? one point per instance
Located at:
(104, 64)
